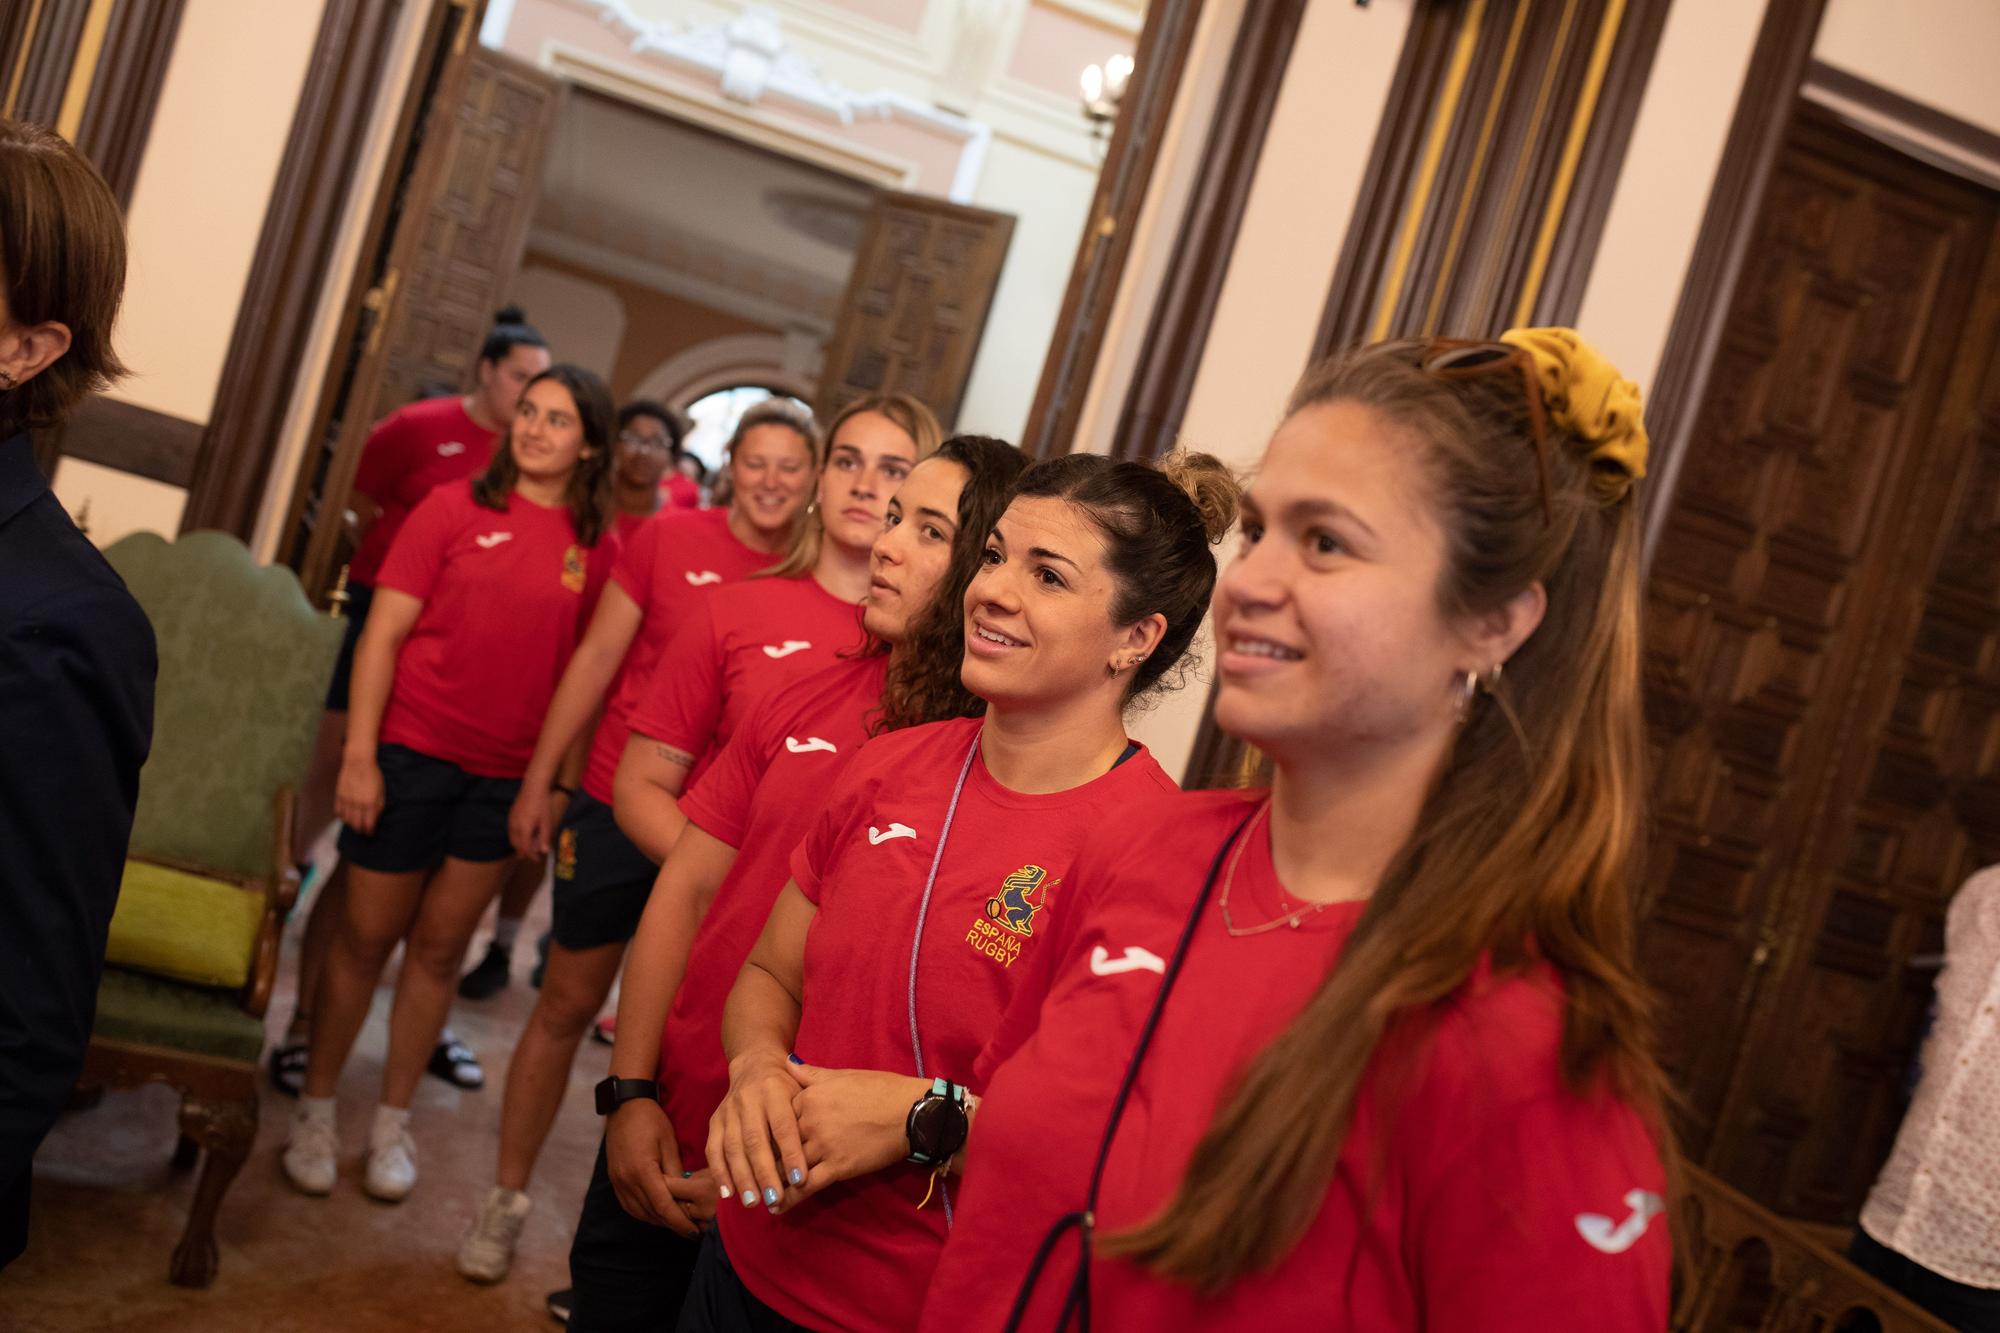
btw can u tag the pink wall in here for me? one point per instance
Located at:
(905, 14)
(1055, 45)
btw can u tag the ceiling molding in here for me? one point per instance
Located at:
(811, 306)
(1125, 18)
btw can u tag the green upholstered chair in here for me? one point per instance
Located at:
(244, 664)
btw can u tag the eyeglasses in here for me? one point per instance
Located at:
(657, 443)
(1462, 358)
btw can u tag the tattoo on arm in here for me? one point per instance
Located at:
(673, 756)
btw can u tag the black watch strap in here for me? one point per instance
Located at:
(613, 1093)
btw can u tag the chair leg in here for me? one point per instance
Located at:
(226, 1129)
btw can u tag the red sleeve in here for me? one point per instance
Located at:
(816, 853)
(720, 801)
(634, 570)
(385, 457)
(682, 703)
(1544, 1216)
(417, 556)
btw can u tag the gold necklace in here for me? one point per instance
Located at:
(1291, 919)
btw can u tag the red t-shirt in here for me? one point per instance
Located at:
(505, 599)
(629, 523)
(733, 652)
(1481, 1195)
(680, 490)
(410, 453)
(858, 1255)
(669, 564)
(759, 796)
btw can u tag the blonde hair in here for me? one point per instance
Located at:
(907, 415)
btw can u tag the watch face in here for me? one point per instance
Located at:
(937, 1129)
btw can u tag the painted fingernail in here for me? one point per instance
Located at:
(689, 1175)
(798, 1176)
(726, 1192)
(793, 1056)
(750, 1199)
(770, 1197)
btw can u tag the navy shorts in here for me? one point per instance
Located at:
(359, 595)
(601, 880)
(431, 809)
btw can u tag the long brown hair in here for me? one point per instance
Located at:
(923, 684)
(1525, 847)
(62, 258)
(588, 494)
(907, 414)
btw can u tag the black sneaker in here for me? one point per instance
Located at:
(541, 961)
(489, 978)
(560, 1304)
(456, 1063)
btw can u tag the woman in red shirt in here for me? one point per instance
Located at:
(631, 1264)
(480, 603)
(804, 612)
(601, 879)
(1388, 1067)
(408, 454)
(924, 889)
(649, 439)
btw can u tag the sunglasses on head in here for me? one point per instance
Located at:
(1461, 358)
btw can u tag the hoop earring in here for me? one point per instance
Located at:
(1490, 682)
(1468, 690)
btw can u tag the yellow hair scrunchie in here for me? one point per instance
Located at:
(1587, 397)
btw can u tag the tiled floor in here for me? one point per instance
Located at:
(108, 1208)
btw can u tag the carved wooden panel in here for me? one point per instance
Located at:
(1816, 793)
(916, 304)
(472, 226)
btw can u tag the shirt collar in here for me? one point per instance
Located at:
(21, 481)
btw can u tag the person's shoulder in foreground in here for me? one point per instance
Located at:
(77, 662)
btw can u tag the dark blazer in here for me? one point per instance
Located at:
(77, 662)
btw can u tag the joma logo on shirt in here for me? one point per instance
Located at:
(493, 539)
(450, 449)
(809, 744)
(1010, 914)
(699, 577)
(787, 648)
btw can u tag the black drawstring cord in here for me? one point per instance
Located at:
(1085, 1220)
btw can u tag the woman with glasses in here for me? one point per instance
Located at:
(1389, 1065)
(649, 443)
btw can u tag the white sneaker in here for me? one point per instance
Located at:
(392, 1165)
(488, 1249)
(311, 1150)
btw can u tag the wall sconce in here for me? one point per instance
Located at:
(1103, 88)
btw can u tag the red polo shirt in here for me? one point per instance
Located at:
(506, 596)
(1480, 1194)
(759, 796)
(858, 1255)
(408, 454)
(671, 562)
(733, 652)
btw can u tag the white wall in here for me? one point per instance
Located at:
(1663, 188)
(197, 208)
(1942, 53)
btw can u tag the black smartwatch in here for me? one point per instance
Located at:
(614, 1092)
(937, 1124)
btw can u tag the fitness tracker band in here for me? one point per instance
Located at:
(613, 1093)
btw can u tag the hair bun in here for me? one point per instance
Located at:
(1208, 482)
(510, 314)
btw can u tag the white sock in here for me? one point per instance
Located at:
(389, 1122)
(504, 931)
(319, 1109)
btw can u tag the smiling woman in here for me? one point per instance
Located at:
(951, 843)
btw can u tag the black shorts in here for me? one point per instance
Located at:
(718, 1302)
(601, 879)
(359, 595)
(431, 809)
(626, 1276)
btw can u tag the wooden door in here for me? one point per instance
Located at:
(454, 241)
(1810, 817)
(916, 303)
